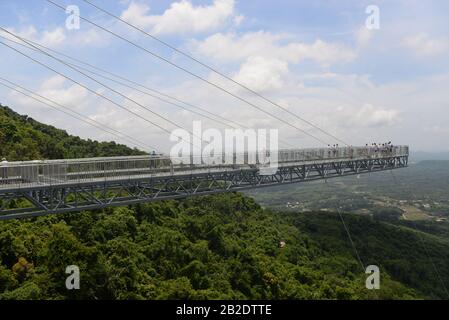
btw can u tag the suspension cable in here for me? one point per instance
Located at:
(347, 231)
(135, 87)
(195, 75)
(92, 91)
(129, 81)
(215, 70)
(78, 116)
(102, 84)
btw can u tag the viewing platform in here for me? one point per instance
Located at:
(56, 186)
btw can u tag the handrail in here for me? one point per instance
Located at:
(60, 171)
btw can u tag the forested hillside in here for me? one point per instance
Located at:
(23, 138)
(215, 247)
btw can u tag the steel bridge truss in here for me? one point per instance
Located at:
(44, 200)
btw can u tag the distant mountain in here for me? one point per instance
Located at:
(418, 156)
(23, 138)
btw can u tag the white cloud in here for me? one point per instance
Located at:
(424, 45)
(181, 17)
(231, 47)
(363, 36)
(370, 116)
(74, 95)
(90, 37)
(59, 37)
(438, 129)
(47, 37)
(25, 32)
(265, 57)
(238, 20)
(262, 74)
(52, 38)
(55, 82)
(56, 89)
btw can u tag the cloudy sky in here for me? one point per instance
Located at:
(316, 58)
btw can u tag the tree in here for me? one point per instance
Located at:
(22, 269)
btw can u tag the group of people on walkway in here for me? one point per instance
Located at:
(371, 149)
(379, 148)
(332, 150)
(387, 146)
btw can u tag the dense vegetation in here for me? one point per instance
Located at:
(223, 246)
(23, 138)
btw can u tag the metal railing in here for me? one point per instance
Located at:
(56, 172)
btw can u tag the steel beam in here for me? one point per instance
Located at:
(57, 199)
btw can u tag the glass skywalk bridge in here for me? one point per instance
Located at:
(57, 186)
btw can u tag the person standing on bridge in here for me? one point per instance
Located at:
(334, 150)
(4, 169)
(351, 152)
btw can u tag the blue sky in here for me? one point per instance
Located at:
(316, 58)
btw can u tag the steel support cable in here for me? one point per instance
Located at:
(83, 86)
(189, 56)
(92, 91)
(122, 83)
(129, 81)
(148, 94)
(195, 75)
(104, 85)
(165, 101)
(347, 231)
(87, 88)
(421, 240)
(97, 124)
(67, 113)
(135, 86)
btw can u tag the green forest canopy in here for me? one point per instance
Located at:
(23, 138)
(216, 247)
